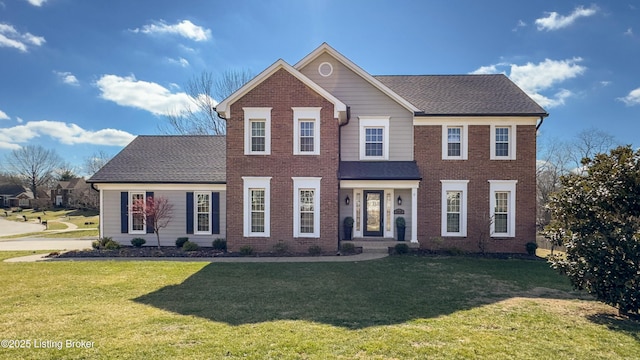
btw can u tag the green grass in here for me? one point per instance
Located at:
(398, 307)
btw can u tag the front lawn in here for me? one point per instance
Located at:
(398, 307)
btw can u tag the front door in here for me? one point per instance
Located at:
(373, 212)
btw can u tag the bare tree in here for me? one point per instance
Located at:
(156, 212)
(33, 165)
(95, 162)
(588, 143)
(201, 118)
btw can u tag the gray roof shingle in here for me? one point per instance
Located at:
(167, 159)
(473, 95)
(379, 170)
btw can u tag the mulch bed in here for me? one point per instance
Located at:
(168, 252)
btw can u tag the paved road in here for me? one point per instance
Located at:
(15, 228)
(8, 227)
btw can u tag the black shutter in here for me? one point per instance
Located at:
(190, 213)
(124, 212)
(215, 213)
(149, 221)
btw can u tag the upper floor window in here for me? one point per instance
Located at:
(257, 133)
(454, 142)
(503, 142)
(306, 131)
(374, 138)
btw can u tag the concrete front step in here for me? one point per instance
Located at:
(378, 246)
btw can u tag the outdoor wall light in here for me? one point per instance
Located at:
(399, 200)
(347, 200)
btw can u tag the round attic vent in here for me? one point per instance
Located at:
(325, 69)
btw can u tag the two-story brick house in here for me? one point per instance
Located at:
(311, 144)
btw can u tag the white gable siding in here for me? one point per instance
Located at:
(364, 100)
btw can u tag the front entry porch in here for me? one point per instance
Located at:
(377, 245)
(375, 206)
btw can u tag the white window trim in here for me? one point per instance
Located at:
(195, 212)
(300, 183)
(256, 183)
(464, 142)
(374, 122)
(503, 186)
(257, 113)
(454, 185)
(512, 142)
(130, 210)
(301, 114)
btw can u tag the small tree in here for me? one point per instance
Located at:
(596, 215)
(157, 211)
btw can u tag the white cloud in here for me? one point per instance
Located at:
(519, 25)
(4, 116)
(67, 78)
(633, 98)
(10, 37)
(19, 120)
(629, 32)
(37, 2)
(152, 97)
(181, 61)
(555, 21)
(185, 28)
(541, 77)
(65, 133)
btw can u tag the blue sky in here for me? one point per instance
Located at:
(84, 76)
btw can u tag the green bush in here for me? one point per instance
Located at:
(95, 244)
(246, 250)
(348, 248)
(315, 250)
(103, 241)
(180, 241)
(402, 249)
(112, 245)
(190, 246)
(138, 242)
(281, 248)
(531, 248)
(220, 244)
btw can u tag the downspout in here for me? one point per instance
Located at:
(541, 121)
(339, 161)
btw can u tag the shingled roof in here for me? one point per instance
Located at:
(168, 159)
(471, 95)
(379, 170)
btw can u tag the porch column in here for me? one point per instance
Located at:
(414, 214)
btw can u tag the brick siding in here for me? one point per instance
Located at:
(281, 92)
(478, 169)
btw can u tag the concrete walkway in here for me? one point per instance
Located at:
(285, 259)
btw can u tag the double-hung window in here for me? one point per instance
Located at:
(374, 138)
(257, 131)
(136, 213)
(257, 206)
(454, 207)
(503, 142)
(306, 205)
(306, 131)
(203, 213)
(502, 197)
(454, 142)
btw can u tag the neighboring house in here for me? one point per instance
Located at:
(12, 195)
(75, 193)
(311, 144)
